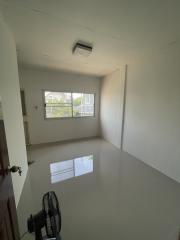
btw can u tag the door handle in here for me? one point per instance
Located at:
(15, 169)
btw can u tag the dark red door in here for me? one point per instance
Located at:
(8, 215)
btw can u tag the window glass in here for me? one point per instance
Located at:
(58, 104)
(65, 104)
(83, 104)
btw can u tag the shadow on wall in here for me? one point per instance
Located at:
(1, 112)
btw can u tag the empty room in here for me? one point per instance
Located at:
(89, 120)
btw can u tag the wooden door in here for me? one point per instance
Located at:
(8, 215)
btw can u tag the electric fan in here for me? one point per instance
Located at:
(49, 217)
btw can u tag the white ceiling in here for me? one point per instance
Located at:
(120, 30)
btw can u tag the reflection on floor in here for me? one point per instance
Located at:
(64, 170)
(115, 196)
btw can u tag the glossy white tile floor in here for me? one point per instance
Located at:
(106, 195)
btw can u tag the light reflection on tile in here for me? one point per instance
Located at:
(62, 171)
(120, 197)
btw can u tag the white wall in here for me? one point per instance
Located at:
(152, 119)
(51, 130)
(11, 105)
(112, 91)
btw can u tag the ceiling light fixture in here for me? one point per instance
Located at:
(82, 49)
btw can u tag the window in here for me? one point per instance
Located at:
(83, 104)
(65, 105)
(58, 104)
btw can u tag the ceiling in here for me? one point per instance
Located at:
(120, 31)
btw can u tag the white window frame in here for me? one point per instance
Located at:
(71, 117)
